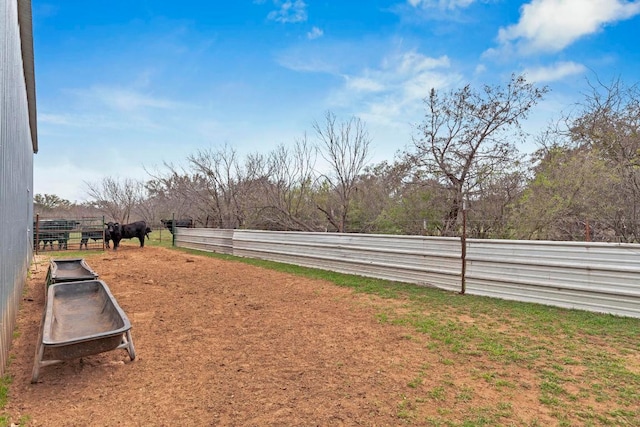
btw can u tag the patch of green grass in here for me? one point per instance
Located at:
(558, 349)
(437, 393)
(414, 383)
(160, 237)
(406, 409)
(5, 421)
(465, 395)
(5, 382)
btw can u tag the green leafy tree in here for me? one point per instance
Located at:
(608, 122)
(47, 203)
(571, 187)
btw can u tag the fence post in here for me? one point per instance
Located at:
(587, 231)
(173, 229)
(37, 232)
(104, 235)
(463, 243)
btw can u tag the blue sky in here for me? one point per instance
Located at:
(123, 86)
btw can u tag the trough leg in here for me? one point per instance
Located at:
(37, 361)
(130, 349)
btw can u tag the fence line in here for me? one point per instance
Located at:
(599, 277)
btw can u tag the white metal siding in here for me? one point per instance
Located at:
(205, 239)
(414, 259)
(598, 277)
(16, 173)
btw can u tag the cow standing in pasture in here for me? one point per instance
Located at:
(119, 231)
(94, 235)
(174, 223)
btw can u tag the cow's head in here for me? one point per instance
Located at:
(113, 228)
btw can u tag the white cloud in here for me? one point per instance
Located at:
(123, 99)
(393, 92)
(289, 11)
(128, 100)
(315, 33)
(111, 109)
(55, 119)
(363, 84)
(552, 25)
(554, 72)
(297, 62)
(441, 4)
(91, 120)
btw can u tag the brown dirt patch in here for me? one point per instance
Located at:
(222, 343)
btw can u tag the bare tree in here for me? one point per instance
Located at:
(345, 146)
(287, 188)
(227, 183)
(488, 215)
(467, 136)
(179, 193)
(116, 198)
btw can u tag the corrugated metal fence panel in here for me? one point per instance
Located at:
(599, 277)
(16, 175)
(205, 239)
(414, 259)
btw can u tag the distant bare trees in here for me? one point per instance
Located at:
(584, 180)
(345, 147)
(116, 198)
(281, 190)
(224, 183)
(287, 186)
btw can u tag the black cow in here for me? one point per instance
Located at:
(52, 230)
(171, 223)
(95, 235)
(48, 238)
(118, 232)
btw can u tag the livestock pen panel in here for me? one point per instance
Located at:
(61, 234)
(80, 319)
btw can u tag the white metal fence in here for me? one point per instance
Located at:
(599, 277)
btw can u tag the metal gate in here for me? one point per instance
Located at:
(62, 234)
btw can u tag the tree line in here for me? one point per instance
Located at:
(582, 182)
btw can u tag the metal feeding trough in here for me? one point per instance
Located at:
(69, 270)
(81, 318)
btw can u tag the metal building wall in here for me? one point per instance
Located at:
(599, 277)
(17, 145)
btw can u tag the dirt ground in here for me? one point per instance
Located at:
(221, 343)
